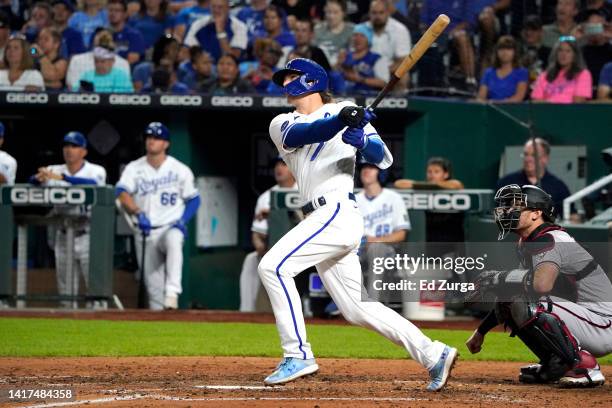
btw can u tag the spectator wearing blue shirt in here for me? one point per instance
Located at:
(527, 175)
(165, 52)
(129, 43)
(485, 14)
(259, 74)
(505, 81)
(219, 33)
(93, 16)
(605, 84)
(274, 29)
(41, 16)
(365, 71)
(458, 33)
(201, 69)
(164, 80)
(187, 16)
(72, 40)
(152, 21)
(104, 77)
(253, 16)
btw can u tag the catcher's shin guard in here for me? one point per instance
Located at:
(548, 337)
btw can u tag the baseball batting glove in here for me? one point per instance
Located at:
(368, 117)
(352, 115)
(144, 223)
(355, 137)
(180, 225)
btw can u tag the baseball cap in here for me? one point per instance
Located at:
(2, 129)
(157, 130)
(365, 31)
(75, 138)
(69, 5)
(532, 22)
(103, 53)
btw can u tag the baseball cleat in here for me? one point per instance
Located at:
(586, 373)
(440, 373)
(291, 368)
(171, 302)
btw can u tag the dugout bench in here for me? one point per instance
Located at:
(24, 205)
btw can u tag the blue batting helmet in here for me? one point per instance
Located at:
(312, 77)
(157, 130)
(2, 129)
(76, 139)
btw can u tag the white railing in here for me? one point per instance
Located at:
(567, 203)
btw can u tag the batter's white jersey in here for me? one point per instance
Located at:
(263, 204)
(161, 193)
(8, 167)
(322, 167)
(383, 214)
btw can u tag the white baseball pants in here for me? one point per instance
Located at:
(249, 282)
(163, 264)
(328, 239)
(68, 283)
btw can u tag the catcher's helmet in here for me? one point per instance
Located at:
(157, 130)
(512, 199)
(312, 77)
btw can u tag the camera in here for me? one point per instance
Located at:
(34, 51)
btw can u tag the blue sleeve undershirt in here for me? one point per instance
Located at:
(191, 207)
(322, 130)
(374, 150)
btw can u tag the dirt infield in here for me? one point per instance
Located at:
(237, 382)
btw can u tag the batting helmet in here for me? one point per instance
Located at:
(2, 129)
(76, 139)
(157, 130)
(312, 77)
(512, 199)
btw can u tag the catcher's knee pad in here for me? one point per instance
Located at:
(549, 338)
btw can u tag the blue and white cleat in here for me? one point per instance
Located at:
(440, 373)
(291, 368)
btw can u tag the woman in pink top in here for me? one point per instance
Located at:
(566, 80)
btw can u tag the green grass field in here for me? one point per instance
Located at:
(64, 337)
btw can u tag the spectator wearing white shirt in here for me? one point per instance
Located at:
(18, 74)
(8, 164)
(391, 38)
(81, 63)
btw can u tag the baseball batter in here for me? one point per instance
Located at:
(160, 191)
(319, 141)
(75, 171)
(249, 278)
(562, 309)
(8, 164)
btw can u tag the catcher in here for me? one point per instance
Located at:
(559, 304)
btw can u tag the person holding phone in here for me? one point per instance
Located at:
(19, 73)
(594, 35)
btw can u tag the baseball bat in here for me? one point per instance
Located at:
(428, 38)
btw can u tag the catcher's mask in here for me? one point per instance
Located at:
(512, 200)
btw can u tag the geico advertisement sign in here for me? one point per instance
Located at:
(390, 103)
(180, 100)
(72, 196)
(129, 99)
(79, 98)
(23, 97)
(438, 201)
(234, 101)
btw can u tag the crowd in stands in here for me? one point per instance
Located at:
(556, 51)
